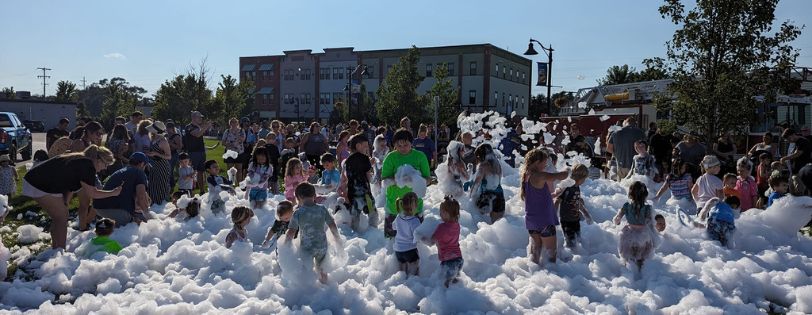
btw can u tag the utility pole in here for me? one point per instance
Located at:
(44, 77)
(84, 87)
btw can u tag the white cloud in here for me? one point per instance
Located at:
(115, 56)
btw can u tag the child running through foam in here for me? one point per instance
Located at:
(405, 224)
(721, 217)
(241, 216)
(637, 237)
(312, 220)
(447, 238)
(708, 185)
(571, 206)
(284, 212)
(259, 172)
(540, 215)
(487, 188)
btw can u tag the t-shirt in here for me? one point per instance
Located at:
(185, 183)
(131, 127)
(104, 243)
(643, 165)
(311, 220)
(192, 143)
(330, 177)
(356, 167)
(569, 210)
(693, 154)
(680, 185)
(52, 135)
(447, 237)
(801, 145)
(707, 185)
(141, 143)
(258, 175)
(425, 145)
(62, 174)
(773, 197)
(316, 144)
(623, 141)
(232, 141)
(721, 212)
(128, 178)
(393, 161)
(404, 239)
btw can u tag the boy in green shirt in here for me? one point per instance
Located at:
(403, 154)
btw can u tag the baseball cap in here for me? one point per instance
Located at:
(138, 157)
(197, 114)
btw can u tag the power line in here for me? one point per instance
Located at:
(44, 77)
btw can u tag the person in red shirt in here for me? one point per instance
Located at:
(447, 238)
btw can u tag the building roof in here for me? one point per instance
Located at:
(35, 101)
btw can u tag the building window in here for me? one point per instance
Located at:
(522, 101)
(338, 74)
(338, 97)
(524, 78)
(510, 100)
(307, 98)
(324, 73)
(504, 73)
(471, 97)
(288, 75)
(271, 98)
(450, 67)
(428, 70)
(511, 74)
(495, 98)
(497, 70)
(472, 68)
(503, 99)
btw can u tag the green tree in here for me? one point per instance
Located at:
(723, 54)
(231, 99)
(66, 92)
(9, 93)
(619, 75)
(364, 108)
(81, 111)
(538, 105)
(120, 99)
(397, 95)
(448, 94)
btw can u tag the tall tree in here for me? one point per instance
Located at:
(724, 53)
(448, 94)
(81, 111)
(9, 93)
(397, 95)
(538, 105)
(120, 99)
(231, 99)
(66, 92)
(619, 75)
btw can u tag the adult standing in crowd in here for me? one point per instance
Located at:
(692, 152)
(53, 183)
(133, 181)
(233, 139)
(765, 145)
(61, 130)
(621, 145)
(725, 150)
(264, 129)
(660, 147)
(278, 129)
(314, 144)
(194, 145)
(159, 170)
(141, 139)
(135, 119)
(175, 147)
(802, 153)
(426, 145)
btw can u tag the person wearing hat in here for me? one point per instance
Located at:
(708, 186)
(195, 147)
(53, 183)
(160, 171)
(130, 204)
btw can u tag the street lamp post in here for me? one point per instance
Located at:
(361, 70)
(549, 52)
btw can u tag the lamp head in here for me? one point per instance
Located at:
(530, 50)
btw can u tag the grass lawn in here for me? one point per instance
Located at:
(23, 204)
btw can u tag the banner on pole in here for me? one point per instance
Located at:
(542, 78)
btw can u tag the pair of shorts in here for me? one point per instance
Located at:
(258, 194)
(572, 231)
(408, 256)
(198, 160)
(547, 231)
(452, 267)
(34, 192)
(493, 200)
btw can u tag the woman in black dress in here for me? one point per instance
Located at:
(159, 171)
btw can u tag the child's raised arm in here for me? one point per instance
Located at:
(660, 192)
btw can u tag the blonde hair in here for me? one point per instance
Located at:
(532, 156)
(579, 172)
(97, 153)
(292, 163)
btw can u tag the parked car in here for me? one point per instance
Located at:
(34, 125)
(14, 137)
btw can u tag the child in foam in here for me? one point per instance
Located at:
(102, 241)
(259, 172)
(456, 168)
(405, 246)
(679, 181)
(216, 184)
(240, 216)
(643, 163)
(571, 207)
(295, 174)
(720, 218)
(186, 207)
(312, 220)
(708, 185)
(379, 152)
(8, 176)
(330, 176)
(779, 186)
(284, 212)
(540, 215)
(638, 237)
(403, 155)
(487, 188)
(447, 238)
(746, 185)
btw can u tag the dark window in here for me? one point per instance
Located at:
(472, 68)
(472, 97)
(450, 67)
(428, 70)
(497, 70)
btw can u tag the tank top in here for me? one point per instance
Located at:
(538, 205)
(315, 144)
(635, 217)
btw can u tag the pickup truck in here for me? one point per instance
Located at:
(14, 137)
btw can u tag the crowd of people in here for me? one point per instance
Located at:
(145, 162)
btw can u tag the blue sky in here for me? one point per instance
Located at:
(148, 42)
